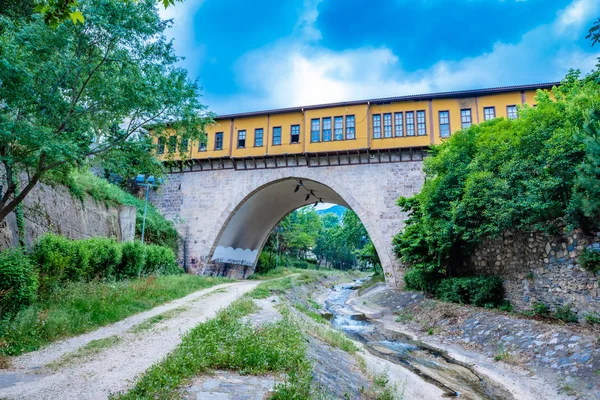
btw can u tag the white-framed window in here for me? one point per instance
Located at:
(295, 134)
(421, 124)
(338, 128)
(376, 126)
(444, 124)
(315, 130)
(327, 129)
(350, 127)
(241, 139)
(511, 112)
(489, 113)
(410, 123)
(399, 124)
(387, 125)
(276, 135)
(465, 118)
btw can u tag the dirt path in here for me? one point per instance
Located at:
(128, 350)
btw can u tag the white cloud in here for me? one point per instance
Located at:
(298, 71)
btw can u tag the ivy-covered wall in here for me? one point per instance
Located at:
(538, 267)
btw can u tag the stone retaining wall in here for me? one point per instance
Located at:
(53, 209)
(538, 267)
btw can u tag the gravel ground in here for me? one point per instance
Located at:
(114, 368)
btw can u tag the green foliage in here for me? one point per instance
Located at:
(18, 281)
(540, 309)
(226, 343)
(479, 291)
(88, 91)
(565, 314)
(339, 244)
(59, 260)
(592, 318)
(589, 260)
(422, 278)
(585, 204)
(133, 261)
(105, 257)
(160, 261)
(76, 308)
(503, 175)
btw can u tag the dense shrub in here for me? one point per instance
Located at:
(18, 281)
(105, 257)
(160, 261)
(421, 279)
(133, 260)
(60, 260)
(479, 290)
(589, 260)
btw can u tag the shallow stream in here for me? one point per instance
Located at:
(455, 378)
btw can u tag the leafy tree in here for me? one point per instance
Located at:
(505, 174)
(594, 33)
(54, 12)
(87, 91)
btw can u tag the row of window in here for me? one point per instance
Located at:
(259, 137)
(345, 128)
(404, 122)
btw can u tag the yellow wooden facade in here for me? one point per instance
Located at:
(434, 116)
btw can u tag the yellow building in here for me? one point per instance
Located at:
(370, 126)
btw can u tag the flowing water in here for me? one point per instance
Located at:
(455, 378)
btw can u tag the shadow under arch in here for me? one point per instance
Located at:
(250, 221)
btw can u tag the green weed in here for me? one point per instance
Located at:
(93, 347)
(80, 307)
(226, 343)
(150, 322)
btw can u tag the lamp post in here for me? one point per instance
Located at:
(140, 180)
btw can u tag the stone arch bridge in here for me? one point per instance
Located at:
(225, 209)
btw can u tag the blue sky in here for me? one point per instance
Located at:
(252, 55)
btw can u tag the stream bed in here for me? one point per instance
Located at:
(456, 379)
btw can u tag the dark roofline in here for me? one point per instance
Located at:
(383, 100)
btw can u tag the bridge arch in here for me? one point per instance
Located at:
(215, 209)
(249, 223)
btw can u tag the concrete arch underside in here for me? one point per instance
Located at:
(225, 216)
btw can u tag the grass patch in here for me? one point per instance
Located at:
(311, 314)
(226, 343)
(150, 322)
(80, 307)
(268, 288)
(314, 304)
(501, 354)
(404, 316)
(93, 347)
(375, 279)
